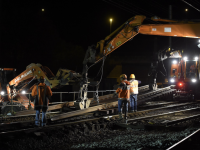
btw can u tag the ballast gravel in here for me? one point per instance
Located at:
(129, 139)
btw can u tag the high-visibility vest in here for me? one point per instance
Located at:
(133, 87)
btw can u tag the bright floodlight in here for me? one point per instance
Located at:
(185, 58)
(194, 80)
(2, 92)
(172, 80)
(42, 9)
(199, 41)
(110, 19)
(23, 92)
(196, 58)
(174, 62)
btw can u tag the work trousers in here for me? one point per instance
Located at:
(37, 117)
(120, 103)
(133, 102)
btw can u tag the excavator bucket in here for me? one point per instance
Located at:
(65, 76)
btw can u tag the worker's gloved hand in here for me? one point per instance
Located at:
(115, 95)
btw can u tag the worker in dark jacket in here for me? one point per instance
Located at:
(42, 93)
(123, 94)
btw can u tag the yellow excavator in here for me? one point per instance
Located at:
(25, 81)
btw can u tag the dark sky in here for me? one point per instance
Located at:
(59, 36)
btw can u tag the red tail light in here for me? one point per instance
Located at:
(180, 84)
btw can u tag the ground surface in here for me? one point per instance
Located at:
(103, 139)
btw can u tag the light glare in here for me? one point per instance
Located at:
(185, 58)
(172, 80)
(196, 58)
(23, 92)
(42, 9)
(194, 80)
(2, 92)
(174, 62)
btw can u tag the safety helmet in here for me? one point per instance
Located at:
(123, 76)
(132, 76)
(41, 79)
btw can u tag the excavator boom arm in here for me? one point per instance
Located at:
(134, 26)
(190, 30)
(120, 36)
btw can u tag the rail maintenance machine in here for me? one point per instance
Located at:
(184, 74)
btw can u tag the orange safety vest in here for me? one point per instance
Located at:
(40, 92)
(123, 90)
(133, 87)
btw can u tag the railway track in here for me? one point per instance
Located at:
(106, 102)
(95, 123)
(88, 128)
(74, 116)
(87, 122)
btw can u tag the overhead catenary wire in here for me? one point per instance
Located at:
(125, 9)
(159, 5)
(130, 4)
(191, 5)
(131, 11)
(195, 1)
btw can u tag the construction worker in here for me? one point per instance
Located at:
(133, 92)
(41, 93)
(123, 94)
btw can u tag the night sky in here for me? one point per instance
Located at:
(59, 36)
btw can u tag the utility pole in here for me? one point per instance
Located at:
(170, 17)
(170, 43)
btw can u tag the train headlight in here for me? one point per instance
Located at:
(194, 80)
(2, 92)
(185, 58)
(172, 80)
(23, 92)
(174, 62)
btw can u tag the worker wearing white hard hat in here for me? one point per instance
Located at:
(133, 93)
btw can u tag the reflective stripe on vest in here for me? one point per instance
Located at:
(134, 87)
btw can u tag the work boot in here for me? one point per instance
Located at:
(120, 116)
(126, 115)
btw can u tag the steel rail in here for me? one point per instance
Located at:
(181, 120)
(159, 115)
(86, 120)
